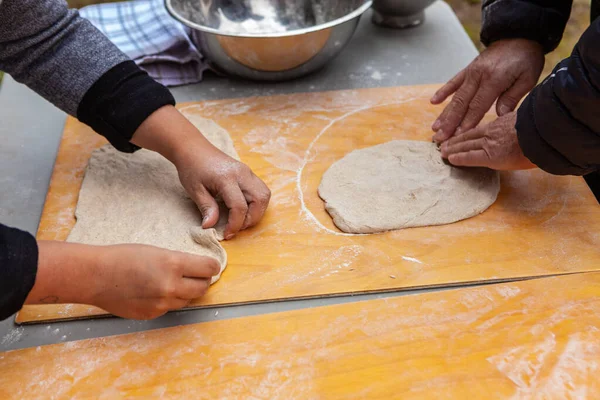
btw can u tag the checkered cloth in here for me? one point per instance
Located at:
(144, 30)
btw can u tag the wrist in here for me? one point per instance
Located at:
(523, 162)
(522, 43)
(169, 133)
(67, 273)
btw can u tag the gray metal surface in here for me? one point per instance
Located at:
(29, 136)
(30, 131)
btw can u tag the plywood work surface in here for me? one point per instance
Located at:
(540, 225)
(531, 339)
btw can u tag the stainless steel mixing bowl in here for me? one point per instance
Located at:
(400, 13)
(269, 39)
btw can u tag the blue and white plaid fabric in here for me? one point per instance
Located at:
(144, 30)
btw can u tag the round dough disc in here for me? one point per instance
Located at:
(403, 184)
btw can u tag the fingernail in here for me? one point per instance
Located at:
(247, 222)
(436, 125)
(504, 109)
(229, 237)
(444, 148)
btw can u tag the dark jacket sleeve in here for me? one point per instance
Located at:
(543, 21)
(117, 104)
(18, 268)
(558, 124)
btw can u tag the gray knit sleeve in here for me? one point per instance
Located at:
(53, 50)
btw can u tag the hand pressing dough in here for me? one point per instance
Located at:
(403, 184)
(137, 198)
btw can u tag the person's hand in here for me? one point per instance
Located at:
(506, 71)
(206, 172)
(494, 145)
(130, 280)
(145, 282)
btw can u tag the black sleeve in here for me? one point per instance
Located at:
(18, 268)
(558, 124)
(117, 104)
(543, 21)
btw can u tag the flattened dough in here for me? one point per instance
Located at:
(403, 184)
(137, 198)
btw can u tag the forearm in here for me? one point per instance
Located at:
(67, 273)
(525, 19)
(169, 133)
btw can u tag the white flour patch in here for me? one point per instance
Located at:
(12, 337)
(274, 147)
(66, 309)
(269, 23)
(411, 259)
(331, 263)
(279, 195)
(236, 108)
(508, 291)
(576, 363)
(522, 364)
(377, 76)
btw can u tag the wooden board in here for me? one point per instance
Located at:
(532, 339)
(540, 225)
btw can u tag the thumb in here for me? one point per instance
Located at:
(208, 207)
(508, 101)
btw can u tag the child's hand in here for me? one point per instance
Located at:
(205, 171)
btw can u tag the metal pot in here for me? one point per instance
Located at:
(400, 13)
